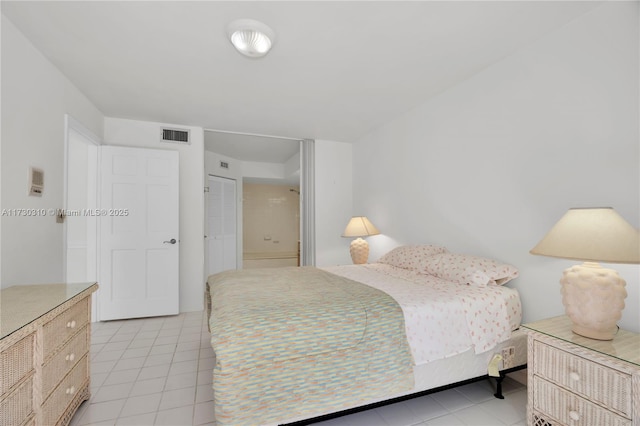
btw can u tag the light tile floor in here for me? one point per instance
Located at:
(158, 371)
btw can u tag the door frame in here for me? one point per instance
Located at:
(307, 203)
(70, 123)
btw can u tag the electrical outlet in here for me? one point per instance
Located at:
(508, 355)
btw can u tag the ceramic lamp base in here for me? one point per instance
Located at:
(359, 250)
(593, 298)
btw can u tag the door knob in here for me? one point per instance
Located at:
(171, 241)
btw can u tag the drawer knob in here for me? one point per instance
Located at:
(70, 357)
(574, 376)
(71, 390)
(574, 415)
(71, 324)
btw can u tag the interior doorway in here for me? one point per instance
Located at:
(267, 160)
(80, 227)
(271, 224)
(80, 231)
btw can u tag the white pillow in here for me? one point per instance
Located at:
(411, 257)
(466, 269)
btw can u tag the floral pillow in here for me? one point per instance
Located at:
(466, 269)
(411, 257)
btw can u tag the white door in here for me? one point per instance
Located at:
(221, 222)
(139, 250)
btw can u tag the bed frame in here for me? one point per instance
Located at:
(498, 394)
(474, 370)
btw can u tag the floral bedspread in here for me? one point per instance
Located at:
(443, 318)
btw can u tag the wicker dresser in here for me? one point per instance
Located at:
(577, 381)
(44, 351)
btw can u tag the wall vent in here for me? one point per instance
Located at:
(224, 165)
(36, 181)
(175, 135)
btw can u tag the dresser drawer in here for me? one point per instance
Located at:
(606, 386)
(61, 328)
(569, 409)
(16, 407)
(16, 362)
(64, 394)
(60, 364)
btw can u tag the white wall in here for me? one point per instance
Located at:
(334, 196)
(292, 166)
(35, 98)
(490, 165)
(212, 166)
(147, 135)
(256, 169)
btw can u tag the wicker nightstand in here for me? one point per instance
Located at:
(578, 381)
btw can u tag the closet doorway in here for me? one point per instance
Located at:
(221, 223)
(265, 160)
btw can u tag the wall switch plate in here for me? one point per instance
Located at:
(36, 181)
(508, 355)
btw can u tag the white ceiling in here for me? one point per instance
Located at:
(256, 148)
(338, 69)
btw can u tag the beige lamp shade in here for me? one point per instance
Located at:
(593, 296)
(359, 226)
(592, 234)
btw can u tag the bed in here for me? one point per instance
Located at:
(300, 343)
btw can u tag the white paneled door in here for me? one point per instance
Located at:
(139, 246)
(221, 223)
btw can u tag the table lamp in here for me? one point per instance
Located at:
(593, 296)
(359, 226)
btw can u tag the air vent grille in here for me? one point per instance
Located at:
(175, 135)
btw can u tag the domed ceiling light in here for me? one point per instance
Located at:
(250, 37)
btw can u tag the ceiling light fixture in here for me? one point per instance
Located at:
(250, 37)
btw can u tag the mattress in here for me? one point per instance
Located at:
(443, 318)
(448, 371)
